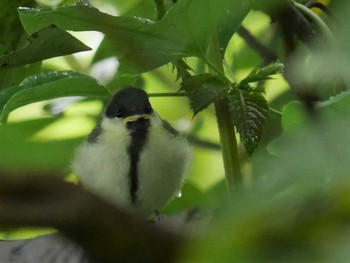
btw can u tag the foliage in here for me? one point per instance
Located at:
(40, 46)
(141, 44)
(202, 90)
(292, 173)
(49, 85)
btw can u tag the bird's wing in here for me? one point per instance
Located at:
(94, 134)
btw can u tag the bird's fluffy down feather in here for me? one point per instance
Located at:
(103, 166)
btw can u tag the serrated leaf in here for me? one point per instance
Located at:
(48, 42)
(142, 45)
(182, 69)
(249, 111)
(264, 73)
(49, 85)
(202, 90)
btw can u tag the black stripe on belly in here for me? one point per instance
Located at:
(138, 132)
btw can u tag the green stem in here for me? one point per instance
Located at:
(229, 71)
(228, 140)
(167, 94)
(215, 69)
(229, 146)
(275, 112)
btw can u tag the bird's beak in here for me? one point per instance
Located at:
(136, 117)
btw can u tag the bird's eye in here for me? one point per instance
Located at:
(119, 114)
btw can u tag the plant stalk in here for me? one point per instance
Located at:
(227, 132)
(167, 94)
(229, 146)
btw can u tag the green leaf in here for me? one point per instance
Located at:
(20, 153)
(337, 105)
(294, 115)
(142, 45)
(104, 50)
(11, 25)
(49, 85)
(191, 197)
(12, 36)
(182, 69)
(249, 111)
(48, 42)
(264, 73)
(202, 90)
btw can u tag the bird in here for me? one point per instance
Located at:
(133, 158)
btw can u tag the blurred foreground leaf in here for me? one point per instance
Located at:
(326, 61)
(295, 117)
(310, 229)
(314, 149)
(298, 210)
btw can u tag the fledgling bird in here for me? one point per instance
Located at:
(133, 158)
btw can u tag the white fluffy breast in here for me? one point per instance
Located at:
(103, 166)
(162, 166)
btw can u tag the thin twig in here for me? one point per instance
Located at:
(266, 54)
(275, 112)
(167, 94)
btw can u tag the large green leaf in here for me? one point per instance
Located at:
(249, 109)
(140, 44)
(202, 90)
(46, 43)
(49, 85)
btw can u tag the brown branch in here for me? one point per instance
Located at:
(106, 233)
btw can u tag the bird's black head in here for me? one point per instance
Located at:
(128, 102)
